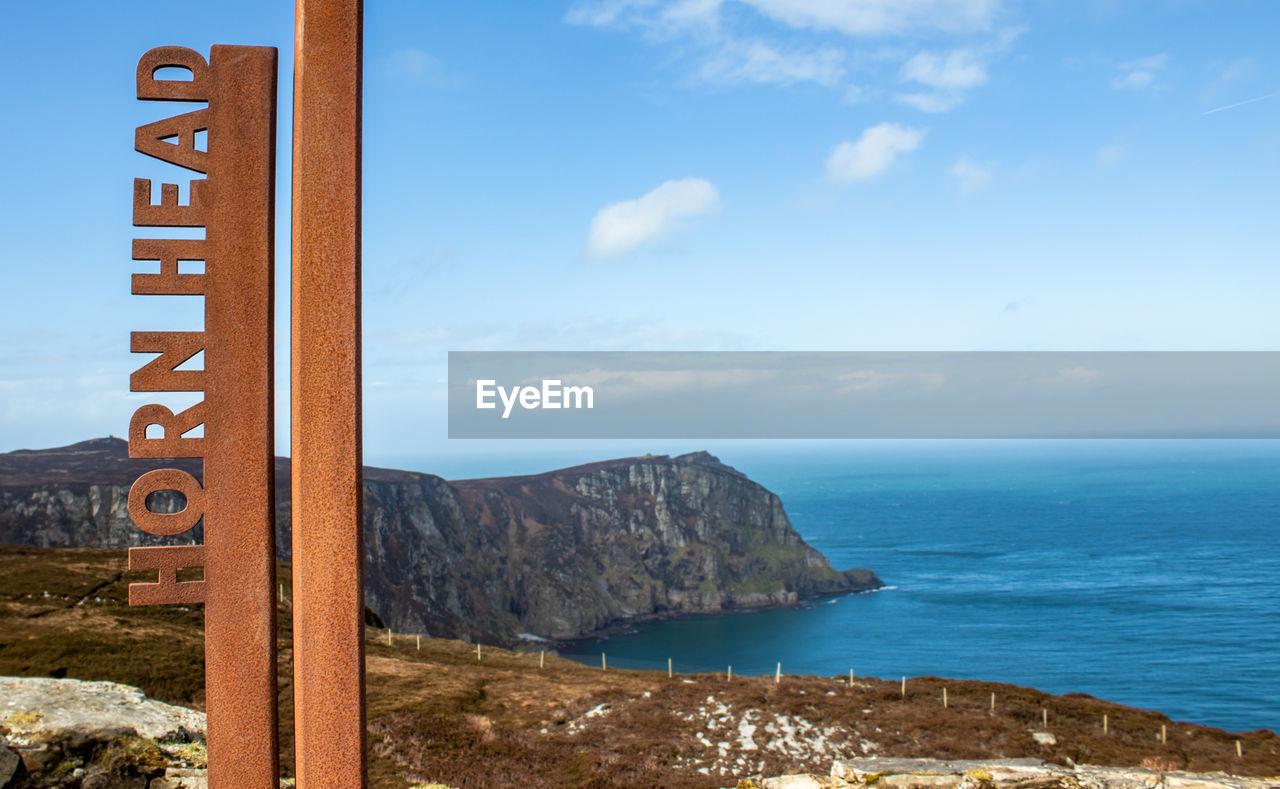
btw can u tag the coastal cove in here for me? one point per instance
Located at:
(1140, 572)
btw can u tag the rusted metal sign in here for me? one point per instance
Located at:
(328, 547)
(235, 206)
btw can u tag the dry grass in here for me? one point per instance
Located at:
(439, 715)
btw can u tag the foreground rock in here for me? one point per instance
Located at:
(95, 735)
(888, 773)
(557, 555)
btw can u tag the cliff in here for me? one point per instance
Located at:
(558, 555)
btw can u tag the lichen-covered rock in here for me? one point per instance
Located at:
(180, 778)
(93, 735)
(799, 781)
(33, 706)
(882, 772)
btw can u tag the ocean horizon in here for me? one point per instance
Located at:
(1141, 572)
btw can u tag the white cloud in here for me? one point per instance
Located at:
(747, 61)
(1140, 73)
(873, 152)
(619, 228)
(971, 175)
(948, 76)
(791, 41)
(931, 102)
(960, 68)
(851, 17)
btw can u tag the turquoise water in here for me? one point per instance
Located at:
(1146, 573)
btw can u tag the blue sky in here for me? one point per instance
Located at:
(684, 175)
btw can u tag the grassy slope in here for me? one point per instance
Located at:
(438, 713)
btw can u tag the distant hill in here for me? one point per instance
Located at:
(559, 555)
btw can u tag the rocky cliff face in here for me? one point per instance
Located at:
(556, 555)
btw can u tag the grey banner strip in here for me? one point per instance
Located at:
(864, 395)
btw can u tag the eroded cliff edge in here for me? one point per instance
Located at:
(558, 555)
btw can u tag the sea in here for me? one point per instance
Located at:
(1142, 572)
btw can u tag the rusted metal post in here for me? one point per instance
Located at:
(328, 604)
(235, 205)
(240, 569)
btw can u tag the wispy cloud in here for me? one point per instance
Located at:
(1110, 155)
(934, 102)
(851, 17)
(620, 228)
(1140, 73)
(402, 279)
(881, 17)
(946, 78)
(876, 380)
(786, 42)
(971, 175)
(872, 153)
(1236, 70)
(1015, 305)
(419, 66)
(755, 61)
(1271, 95)
(960, 68)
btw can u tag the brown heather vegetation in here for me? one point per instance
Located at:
(438, 714)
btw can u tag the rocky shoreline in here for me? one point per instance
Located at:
(628, 626)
